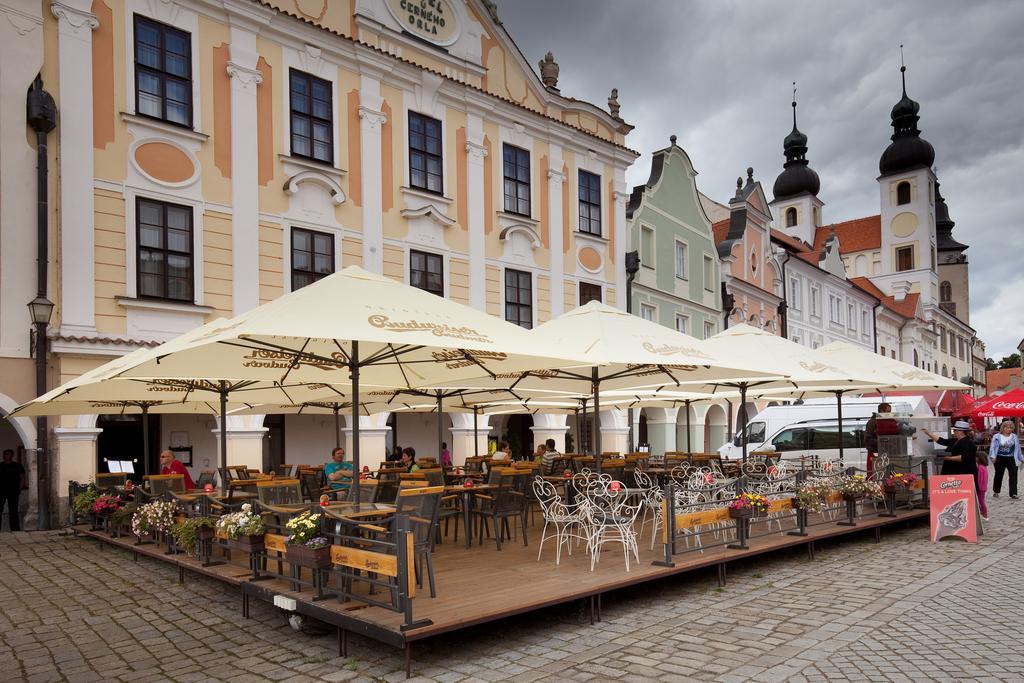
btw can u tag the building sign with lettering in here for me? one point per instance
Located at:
(432, 20)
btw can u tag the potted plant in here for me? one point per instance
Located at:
(189, 532)
(305, 546)
(121, 518)
(105, 505)
(900, 481)
(151, 518)
(855, 486)
(244, 529)
(747, 505)
(82, 503)
(811, 496)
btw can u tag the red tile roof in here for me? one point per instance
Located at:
(790, 242)
(720, 230)
(859, 234)
(997, 380)
(812, 257)
(907, 308)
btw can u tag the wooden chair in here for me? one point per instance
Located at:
(162, 483)
(312, 489)
(410, 476)
(368, 492)
(206, 477)
(426, 462)
(278, 491)
(475, 463)
(289, 471)
(507, 502)
(108, 479)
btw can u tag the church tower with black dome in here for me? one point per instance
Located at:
(796, 207)
(907, 192)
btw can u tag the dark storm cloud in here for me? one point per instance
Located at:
(718, 74)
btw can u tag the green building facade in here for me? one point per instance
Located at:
(678, 281)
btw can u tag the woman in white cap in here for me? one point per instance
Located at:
(961, 451)
(1006, 453)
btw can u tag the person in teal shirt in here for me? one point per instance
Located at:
(338, 471)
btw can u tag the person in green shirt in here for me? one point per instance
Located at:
(338, 471)
(409, 459)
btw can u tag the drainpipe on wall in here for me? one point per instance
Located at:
(41, 116)
(632, 268)
(874, 324)
(784, 304)
(728, 302)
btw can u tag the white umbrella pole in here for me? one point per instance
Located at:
(356, 467)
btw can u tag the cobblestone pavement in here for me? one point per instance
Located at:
(900, 610)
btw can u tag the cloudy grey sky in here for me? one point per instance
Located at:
(718, 74)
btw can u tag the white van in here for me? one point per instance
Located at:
(812, 427)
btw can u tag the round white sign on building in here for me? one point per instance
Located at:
(432, 20)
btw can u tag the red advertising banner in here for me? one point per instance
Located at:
(954, 507)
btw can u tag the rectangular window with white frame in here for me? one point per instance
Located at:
(834, 310)
(163, 72)
(425, 153)
(709, 329)
(646, 246)
(312, 256)
(590, 202)
(851, 316)
(794, 293)
(519, 298)
(682, 323)
(426, 271)
(589, 292)
(647, 312)
(709, 274)
(516, 173)
(681, 260)
(312, 117)
(164, 251)
(815, 301)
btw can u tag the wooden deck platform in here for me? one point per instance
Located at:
(482, 584)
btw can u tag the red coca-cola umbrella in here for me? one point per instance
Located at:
(1010, 404)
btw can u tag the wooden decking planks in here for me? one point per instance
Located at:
(483, 584)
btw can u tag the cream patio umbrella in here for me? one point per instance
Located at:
(624, 351)
(354, 326)
(888, 373)
(103, 389)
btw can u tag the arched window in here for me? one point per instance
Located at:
(945, 291)
(945, 371)
(903, 193)
(790, 217)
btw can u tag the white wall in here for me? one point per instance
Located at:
(419, 430)
(205, 455)
(308, 439)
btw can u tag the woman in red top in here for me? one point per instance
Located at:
(169, 465)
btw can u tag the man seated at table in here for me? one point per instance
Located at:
(547, 461)
(338, 471)
(409, 459)
(171, 465)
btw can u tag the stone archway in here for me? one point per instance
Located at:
(715, 422)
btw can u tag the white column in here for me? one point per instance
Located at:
(614, 431)
(75, 25)
(661, 429)
(21, 33)
(245, 238)
(475, 154)
(74, 456)
(462, 436)
(555, 180)
(547, 426)
(620, 196)
(371, 118)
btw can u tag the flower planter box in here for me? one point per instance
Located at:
(301, 556)
(852, 496)
(247, 544)
(745, 513)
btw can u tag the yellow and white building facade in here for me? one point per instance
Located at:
(211, 155)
